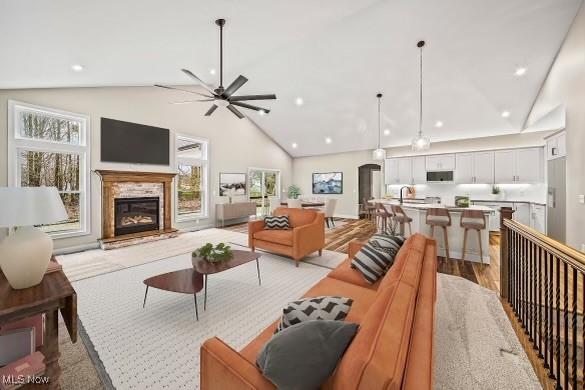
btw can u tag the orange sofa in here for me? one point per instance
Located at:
(393, 348)
(306, 236)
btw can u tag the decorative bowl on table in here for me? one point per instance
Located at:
(214, 254)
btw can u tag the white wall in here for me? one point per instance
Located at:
(565, 84)
(348, 163)
(235, 145)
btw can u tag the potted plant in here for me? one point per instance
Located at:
(293, 191)
(497, 192)
(214, 254)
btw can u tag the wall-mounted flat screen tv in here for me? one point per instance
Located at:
(126, 142)
(328, 183)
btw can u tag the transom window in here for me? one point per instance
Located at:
(191, 189)
(48, 147)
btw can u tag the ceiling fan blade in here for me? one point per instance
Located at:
(251, 97)
(190, 74)
(235, 111)
(251, 107)
(211, 109)
(182, 90)
(193, 101)
(234, 86)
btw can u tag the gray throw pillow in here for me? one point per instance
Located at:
(303, 356)
(314, 308)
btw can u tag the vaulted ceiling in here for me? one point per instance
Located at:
(334, 54)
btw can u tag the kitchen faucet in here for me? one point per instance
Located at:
(401, 188)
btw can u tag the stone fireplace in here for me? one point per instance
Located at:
(136, 207)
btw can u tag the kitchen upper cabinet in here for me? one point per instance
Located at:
(405, 171)
(464, 173)
(391, 171)
(518, 166)
(475, 168)
(441, 162)
(419, 170)
(556, 146)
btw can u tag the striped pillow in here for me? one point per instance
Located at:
(277, 223)
(374, 259)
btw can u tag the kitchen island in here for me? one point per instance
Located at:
(417, 211)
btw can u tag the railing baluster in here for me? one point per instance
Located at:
(532, 293)
(574, 330)
(558, 309)
(546, 310)
(583, 329)
(539, 300)
(551, 336)
(566, 324)
(525, 262)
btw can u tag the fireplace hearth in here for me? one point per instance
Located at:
(135, 215)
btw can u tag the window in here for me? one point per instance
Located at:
(48, 147)
(191, 190)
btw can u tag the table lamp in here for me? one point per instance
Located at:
(25, 254)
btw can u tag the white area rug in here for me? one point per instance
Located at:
(94, 262)
(158, 347)
(475, 345)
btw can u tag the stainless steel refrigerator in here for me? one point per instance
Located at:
(556, 199)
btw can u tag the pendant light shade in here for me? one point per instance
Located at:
(379, 153)
(420, 142)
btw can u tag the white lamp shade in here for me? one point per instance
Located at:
(379, 154)
(28, 206)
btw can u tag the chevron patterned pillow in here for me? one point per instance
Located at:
(277, 223)
(315, 308)
(374, 259)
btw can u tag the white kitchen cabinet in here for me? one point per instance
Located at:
(419, 170)
(475, 168)
(404, 171)
(440, 162)
(522, 213)
(538, 218)
(518, 166)
(391, 171)
(556, 146)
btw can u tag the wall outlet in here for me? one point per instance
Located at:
(582, 199)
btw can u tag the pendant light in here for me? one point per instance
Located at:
(420, 142)
(379, 154)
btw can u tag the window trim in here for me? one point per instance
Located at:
(204, 163)
(17, 142)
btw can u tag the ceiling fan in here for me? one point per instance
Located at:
(222, 97)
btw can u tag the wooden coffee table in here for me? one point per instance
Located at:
(239, 257)
(185, 281)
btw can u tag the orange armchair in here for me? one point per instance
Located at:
(306, 236)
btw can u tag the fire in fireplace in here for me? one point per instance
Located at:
(134, 215)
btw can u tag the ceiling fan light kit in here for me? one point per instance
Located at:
(379, 153)
(222, 97)
(420, 142)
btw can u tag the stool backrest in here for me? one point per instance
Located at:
(435, 214)
(398, 211)
(473, 217)
(380, 208)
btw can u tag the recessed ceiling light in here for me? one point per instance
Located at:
(77, 68)
(438, 124)
(299, 101)
(505, 114)
(212, 71)
(294, 145)
(386, 131)
(521, 71)
(261, 112)
(328, 140)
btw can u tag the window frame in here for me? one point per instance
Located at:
(18, 143)
(204, 163)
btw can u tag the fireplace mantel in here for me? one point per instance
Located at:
(110, 182)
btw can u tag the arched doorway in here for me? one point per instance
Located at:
(369, 183)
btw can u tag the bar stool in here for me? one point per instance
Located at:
(472, 220)
(400, 217)
(382, 217)
(442, 218)
(369, 208)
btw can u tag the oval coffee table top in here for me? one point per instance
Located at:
(187, 281)
(239, 257)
